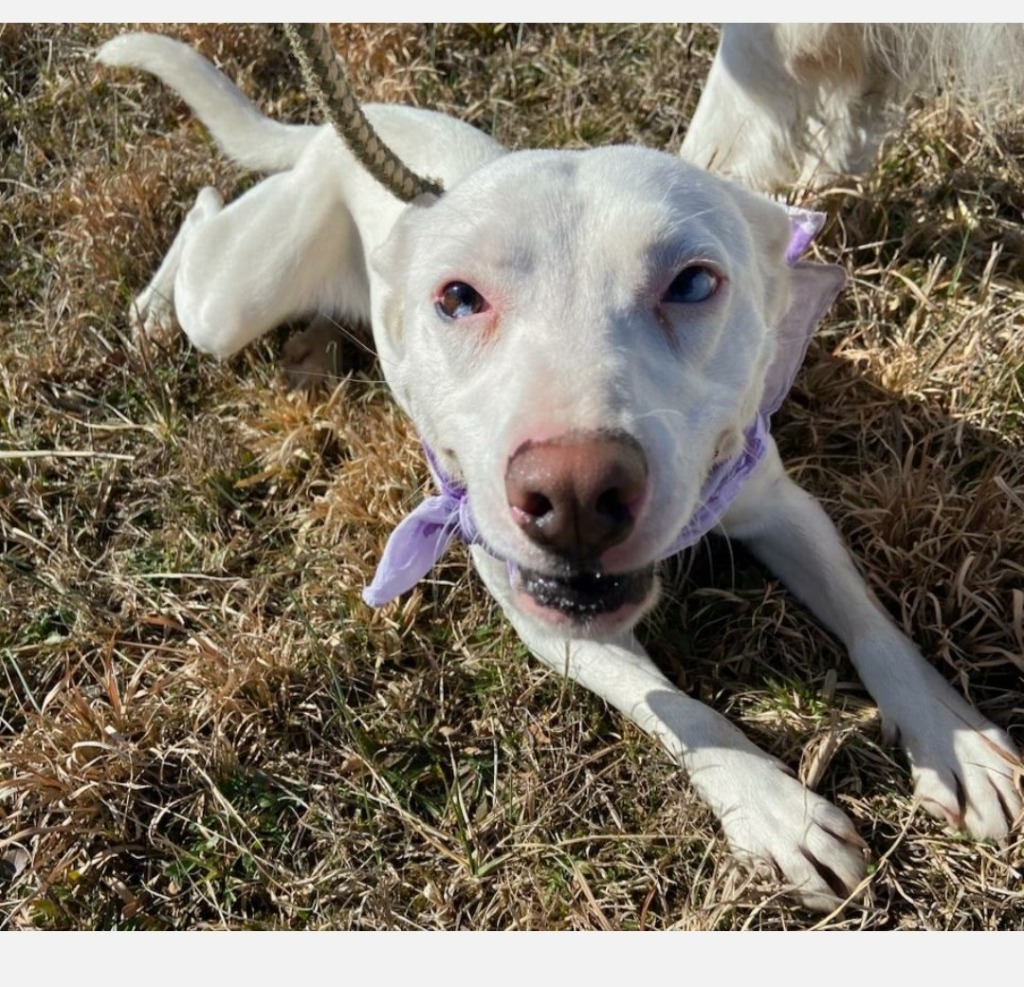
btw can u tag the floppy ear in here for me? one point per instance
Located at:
(813, 289)
(389, 266)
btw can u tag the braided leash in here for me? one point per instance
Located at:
(325, 77)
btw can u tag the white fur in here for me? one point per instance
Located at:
(806, 103)
(574, 251)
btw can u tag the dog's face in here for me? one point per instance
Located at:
(580, 337)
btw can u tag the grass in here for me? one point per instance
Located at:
(201, 726)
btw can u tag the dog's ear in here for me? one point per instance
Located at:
(813, 289)
(390, 265)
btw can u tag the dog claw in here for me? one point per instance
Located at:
(829, 876)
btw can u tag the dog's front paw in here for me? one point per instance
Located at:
(807, 840)
(966, 770)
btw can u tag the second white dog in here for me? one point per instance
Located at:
(806, 103)
(590, 344)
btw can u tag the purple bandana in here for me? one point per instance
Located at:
(421, 538)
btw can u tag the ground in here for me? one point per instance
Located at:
(202, 726)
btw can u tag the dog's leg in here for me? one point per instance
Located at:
(287, 247)
(152, 311)
(789, 102)
(766, 814)
(965, 769)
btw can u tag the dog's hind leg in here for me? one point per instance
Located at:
(288, 247)
(966, 770)
(790, 102)
(152, 311)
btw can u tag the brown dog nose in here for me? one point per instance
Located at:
(579, 494)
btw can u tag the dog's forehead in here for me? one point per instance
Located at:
(633, 198)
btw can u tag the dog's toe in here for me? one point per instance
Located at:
(829, 862)
(966, 771)
(810, 843)
(975, 787)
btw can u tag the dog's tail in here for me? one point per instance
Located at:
(239, 128)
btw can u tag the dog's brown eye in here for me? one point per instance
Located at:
(458, 299)
(692, 284)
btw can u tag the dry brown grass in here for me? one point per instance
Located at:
(201, 724)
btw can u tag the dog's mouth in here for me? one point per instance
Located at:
(597, 600)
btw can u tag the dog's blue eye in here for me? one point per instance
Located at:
(691, 285)
(458, 299)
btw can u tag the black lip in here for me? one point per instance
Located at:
(583, 595)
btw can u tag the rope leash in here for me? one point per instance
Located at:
(325, 78)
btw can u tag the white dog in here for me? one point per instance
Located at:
(589, 344)
(806, 103)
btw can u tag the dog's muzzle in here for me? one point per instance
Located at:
(423, 536)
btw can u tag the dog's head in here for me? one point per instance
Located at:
(581, 337)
